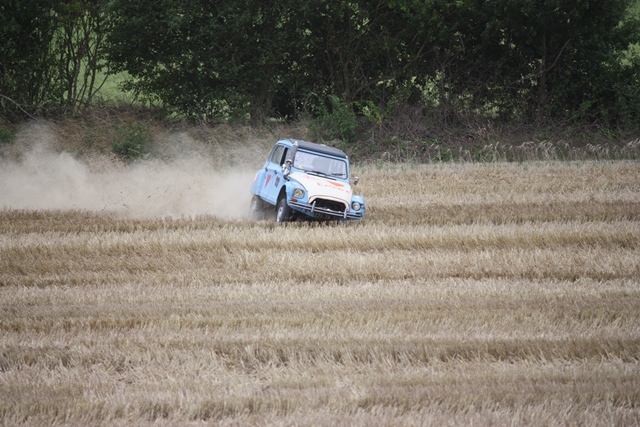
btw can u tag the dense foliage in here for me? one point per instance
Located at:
(51, 55)
(526, 60)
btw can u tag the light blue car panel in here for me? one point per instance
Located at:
(269, 180)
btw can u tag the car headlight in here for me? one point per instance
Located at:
(356, 206)
(298, 193)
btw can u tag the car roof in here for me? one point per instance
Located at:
(320, 148)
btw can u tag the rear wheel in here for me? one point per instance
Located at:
(256, 209)
(283, 211)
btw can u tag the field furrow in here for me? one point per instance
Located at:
(472, 294)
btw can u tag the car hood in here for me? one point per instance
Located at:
(319, 187)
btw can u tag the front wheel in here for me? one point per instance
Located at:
(283, 211)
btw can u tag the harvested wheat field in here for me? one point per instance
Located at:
(473, 294)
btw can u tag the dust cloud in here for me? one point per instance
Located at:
(187, 183)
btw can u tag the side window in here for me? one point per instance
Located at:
(276, 157)
(279, 155)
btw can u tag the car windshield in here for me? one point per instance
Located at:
(312, 162)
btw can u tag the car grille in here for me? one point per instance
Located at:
(330, 205)
(326, 209)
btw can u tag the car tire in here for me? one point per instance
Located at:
(283, 211)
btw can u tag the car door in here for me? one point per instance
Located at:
(274, 179)
(258, 187)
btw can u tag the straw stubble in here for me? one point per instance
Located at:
(472, 294)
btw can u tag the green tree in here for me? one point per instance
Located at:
(534, 59)
(208, 59)
(365, 52)
(50, 55)
(78, 45)
(27, 70)
(525, 59)
(205, 59)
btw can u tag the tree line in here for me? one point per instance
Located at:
(210, 60)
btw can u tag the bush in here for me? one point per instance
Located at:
(132, 141)
(337, 122)
(6, 136)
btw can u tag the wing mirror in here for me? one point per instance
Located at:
(286, 167)
(356, 180)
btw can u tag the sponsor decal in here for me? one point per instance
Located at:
(332, 184)
(266, 182)
(277, 181)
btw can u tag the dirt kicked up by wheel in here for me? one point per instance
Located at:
(257, 209)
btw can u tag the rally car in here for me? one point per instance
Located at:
(305, 180)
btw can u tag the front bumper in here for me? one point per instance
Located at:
(323, 213)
